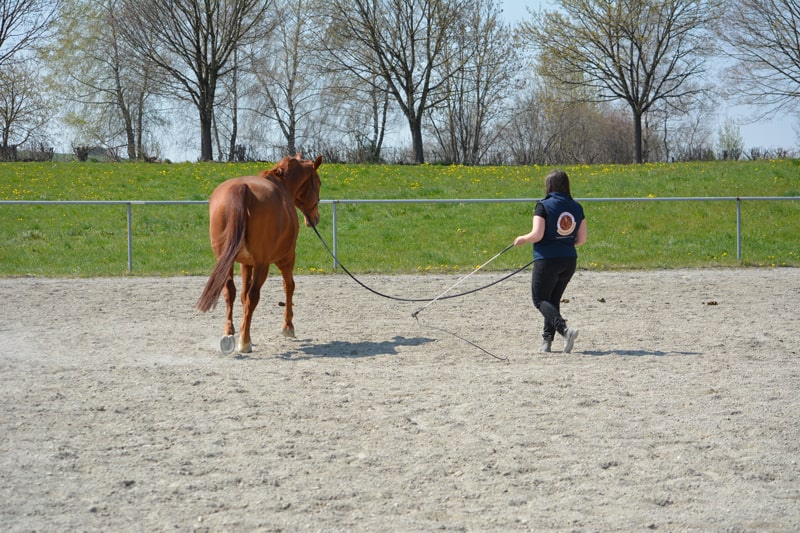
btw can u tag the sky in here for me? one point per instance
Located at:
(778, 132)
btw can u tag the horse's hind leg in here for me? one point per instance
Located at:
(288, 288)
(229, 293)
(252, 280)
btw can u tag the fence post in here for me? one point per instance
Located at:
(130, 240)
(335, 239)
(739, 229)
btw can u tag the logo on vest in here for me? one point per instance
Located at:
(566, 224)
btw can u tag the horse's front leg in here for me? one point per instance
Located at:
(287, 269)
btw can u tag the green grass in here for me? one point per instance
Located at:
(77, 240)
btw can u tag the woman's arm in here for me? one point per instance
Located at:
(535, 235)
(580, 237)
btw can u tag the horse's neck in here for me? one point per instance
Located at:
(290, 186)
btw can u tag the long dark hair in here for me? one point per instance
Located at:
(557, 181)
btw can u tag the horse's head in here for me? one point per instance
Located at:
(302, 181)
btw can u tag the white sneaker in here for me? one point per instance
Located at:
(569, 339)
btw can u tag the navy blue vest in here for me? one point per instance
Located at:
(564, 217)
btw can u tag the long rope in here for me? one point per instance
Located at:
(441, 296)
(481, 348)
(416, 313)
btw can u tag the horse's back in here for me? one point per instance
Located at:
(263, 189)
(272, 225)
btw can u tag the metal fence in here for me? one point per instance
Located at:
(335, 203)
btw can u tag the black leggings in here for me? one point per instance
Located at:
(549, 281)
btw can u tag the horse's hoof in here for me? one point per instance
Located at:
(227, 344)
(288, 332)
(245, 348)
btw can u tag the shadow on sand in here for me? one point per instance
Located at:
(352, 350)
(636, 353)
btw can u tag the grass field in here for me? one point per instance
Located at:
(79, 240)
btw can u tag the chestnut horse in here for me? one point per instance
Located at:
(252, 221)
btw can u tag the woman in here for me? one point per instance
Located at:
(558, 227)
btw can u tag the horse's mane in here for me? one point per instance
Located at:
(266, 173)
(280, 168)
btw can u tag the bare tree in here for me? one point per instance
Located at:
(730, 143)
(463, 124)
(527, 137)
(690, 139)
(554, 123)
(193, 42)
(227, 107)
(23, 111)
(763, 38)
(287, 85)
(636, 51)
(358, 111)
(409, 45)
(108, 87)
(22, 23)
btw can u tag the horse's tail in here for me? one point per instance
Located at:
(233, 238)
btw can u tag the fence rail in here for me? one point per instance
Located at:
(335, 203)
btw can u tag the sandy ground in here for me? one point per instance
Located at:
(678, 410)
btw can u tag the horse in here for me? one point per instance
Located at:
(252, 221)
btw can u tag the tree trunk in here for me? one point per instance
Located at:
(234, 135)
(234, 108)
(206, 108)
(235, 122)
(291, 138)
(130, 135)
(415, 126)
(206, 146)
(637, 135)
(140, 151)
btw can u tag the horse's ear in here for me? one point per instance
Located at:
(317, 162)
